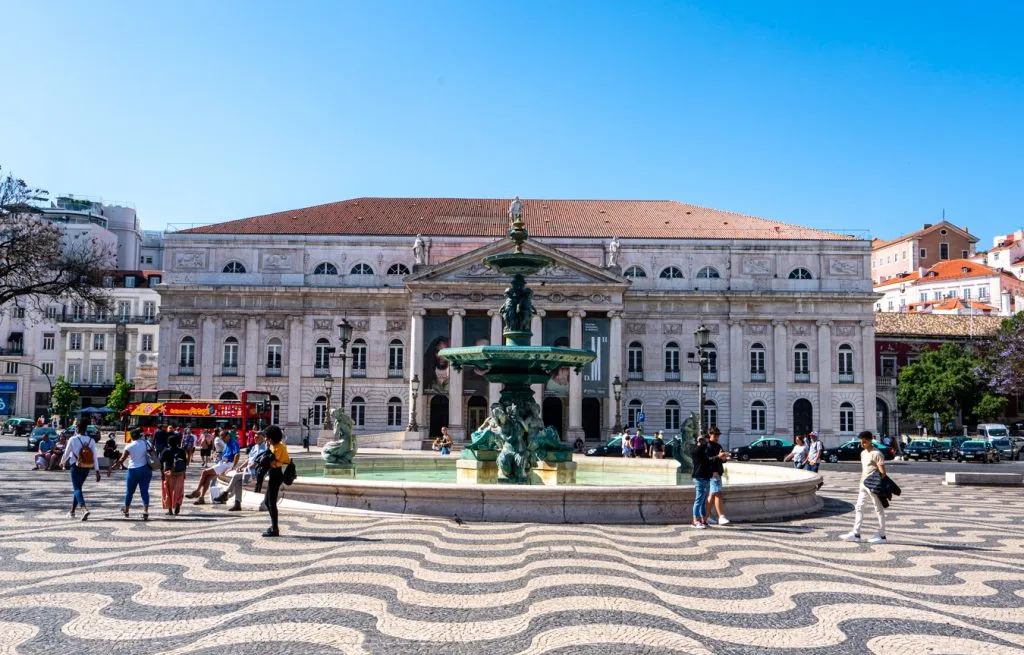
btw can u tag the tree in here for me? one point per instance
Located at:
(1004, 362)
(118, 398)
(37, 262)
(64, 400)
(945, 381)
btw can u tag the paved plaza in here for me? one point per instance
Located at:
(951, 580)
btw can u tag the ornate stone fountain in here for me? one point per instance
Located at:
(513, 445)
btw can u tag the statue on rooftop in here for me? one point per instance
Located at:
(419, 251)
(613, 252)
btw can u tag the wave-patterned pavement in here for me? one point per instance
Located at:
(951, 580)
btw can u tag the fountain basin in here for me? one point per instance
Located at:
(518, 263)
(517, 364)
(643, 492)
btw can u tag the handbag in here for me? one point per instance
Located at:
(151, 459)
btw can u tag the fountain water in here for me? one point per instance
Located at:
(513, 444)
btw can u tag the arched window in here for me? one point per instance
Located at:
(710, 414)
(322, 357)
(395, 412)
(319, 410)
(325, 268)
(361, 269)
(398, 269)
(359, 411)
(396, 359)
(229, 363)
(274, 350)
(671, 361)
(757, 369)
(802, 363)
(359, 358)
(671, 273)
(186, 355)
(635, 361)
(275, 410)
(710, 363)
(633, 409)
(758, 416)
(846, 417)
(800, 274)
(672, 415)
(707, 273)
(234, 267)
(845, 363)
(635, 271)
(228, 395)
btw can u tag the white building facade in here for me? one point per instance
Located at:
(253, 304)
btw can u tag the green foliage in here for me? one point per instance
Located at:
(990, 407)
(945, 381)
(118, 398)
(64, 399)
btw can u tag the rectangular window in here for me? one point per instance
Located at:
(801, 362)
(74, 372)
(845, 362)
(359, 358)
(124, 309)
(671, 360)
(147, 343)
(846, 420)
(892, 306)
(924, 296)
(129, 281)
(943, 251)
(96, 374)
(99, 342)
(12, 368)
(937, 295)
(888, 366)
(149, 260)
(78, 311)
(49, 340)
(967, 293)
(982, 292)
(19, 312)
(904, 255)
(149, 310)
(75, 341)
(359, 414)
(672, 417)
(47, 368)
(924, 253)
(758, 419)
(396, 358)
(963, 254)
(51, 313)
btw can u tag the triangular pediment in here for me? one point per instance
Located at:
(469, 267)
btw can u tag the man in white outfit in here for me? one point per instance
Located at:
(870, 460)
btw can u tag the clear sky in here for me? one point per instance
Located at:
(840, 115)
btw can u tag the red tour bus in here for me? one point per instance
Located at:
(148, 408)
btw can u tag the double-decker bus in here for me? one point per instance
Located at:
(148, 408)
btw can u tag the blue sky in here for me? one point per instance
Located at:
(866, 116)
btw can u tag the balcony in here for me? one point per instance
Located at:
(846, 378)
(801, 377)
(358, 373)
(186, 370)
(229, 370)
(885, 381)
(758, 376)
(273, 372)
(635, 376)
(13, 350)
(83, 384)
(711, 376)
(321, 372)
(672, 376)
(112, 319)
(396, 373)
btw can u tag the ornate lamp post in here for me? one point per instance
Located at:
(345, 335)
(414, 387)
(701, 337)
(617, 390)
(328, 387)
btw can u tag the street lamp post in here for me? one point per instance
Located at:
(345, 335)
(414, 387)
(328, 387)
(701, 337)
(617, 389)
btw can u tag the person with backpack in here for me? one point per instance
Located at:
(141, 456)
(80, 456)
(173, 464)
(276, 475)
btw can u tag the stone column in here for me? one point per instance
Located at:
(537, 327)
(780, 378)
(455, 427)
(205, 363)
(252, 352)
(825, 427)
(494, 388)
(416, 364)
(614, 363)
(867, 335)
(166, 359)
(737, 405)
(294, 399)
(575, 379)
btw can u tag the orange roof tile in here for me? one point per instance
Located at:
(543, 218)
(950, 304)
(955, 269)
(906, 277)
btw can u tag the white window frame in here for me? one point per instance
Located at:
(758, 417)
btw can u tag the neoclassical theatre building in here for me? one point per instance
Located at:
(254, 304)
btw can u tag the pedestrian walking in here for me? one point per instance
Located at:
(871, 461)
(815, 451)
(188, 442)
(718, 457)
(205, 447)
(799, 453)
(80, 457)
(658, 446)
(139, 454)
(638, 444)
(160, 437)
(173, 464)
(275, 476)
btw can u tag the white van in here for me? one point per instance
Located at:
(990, 431)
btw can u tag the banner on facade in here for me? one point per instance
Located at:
(555, 333)
(476, 331)
(8, 396)
(595, 374)
(435, 369)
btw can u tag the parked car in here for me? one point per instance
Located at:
(944, 448)
(764, 448)
(1007, 447)
(614, 448)
(36, 436)
(90, 430)
(17, 426)
(959, 440)
(920, 449)
(1020, 443)
(977, 450)
(850, 451)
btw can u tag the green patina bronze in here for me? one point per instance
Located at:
(514, 435)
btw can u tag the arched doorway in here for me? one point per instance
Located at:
(552, 414)
(476, 414)
(882, 418)
(438, 415)
(803, 416)
(591, 419)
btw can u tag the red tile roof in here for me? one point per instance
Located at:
(543, 218)
(904, 278)
(955, 269)
(894, 324)
(878, 243)
(950, 304)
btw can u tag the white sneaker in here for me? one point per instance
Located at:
(723, 521)
(699, 526)
(877, 539)
(850, 536)
(712, 521)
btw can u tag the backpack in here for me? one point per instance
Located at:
(85, 459)
(179, 463)
(288, 475)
